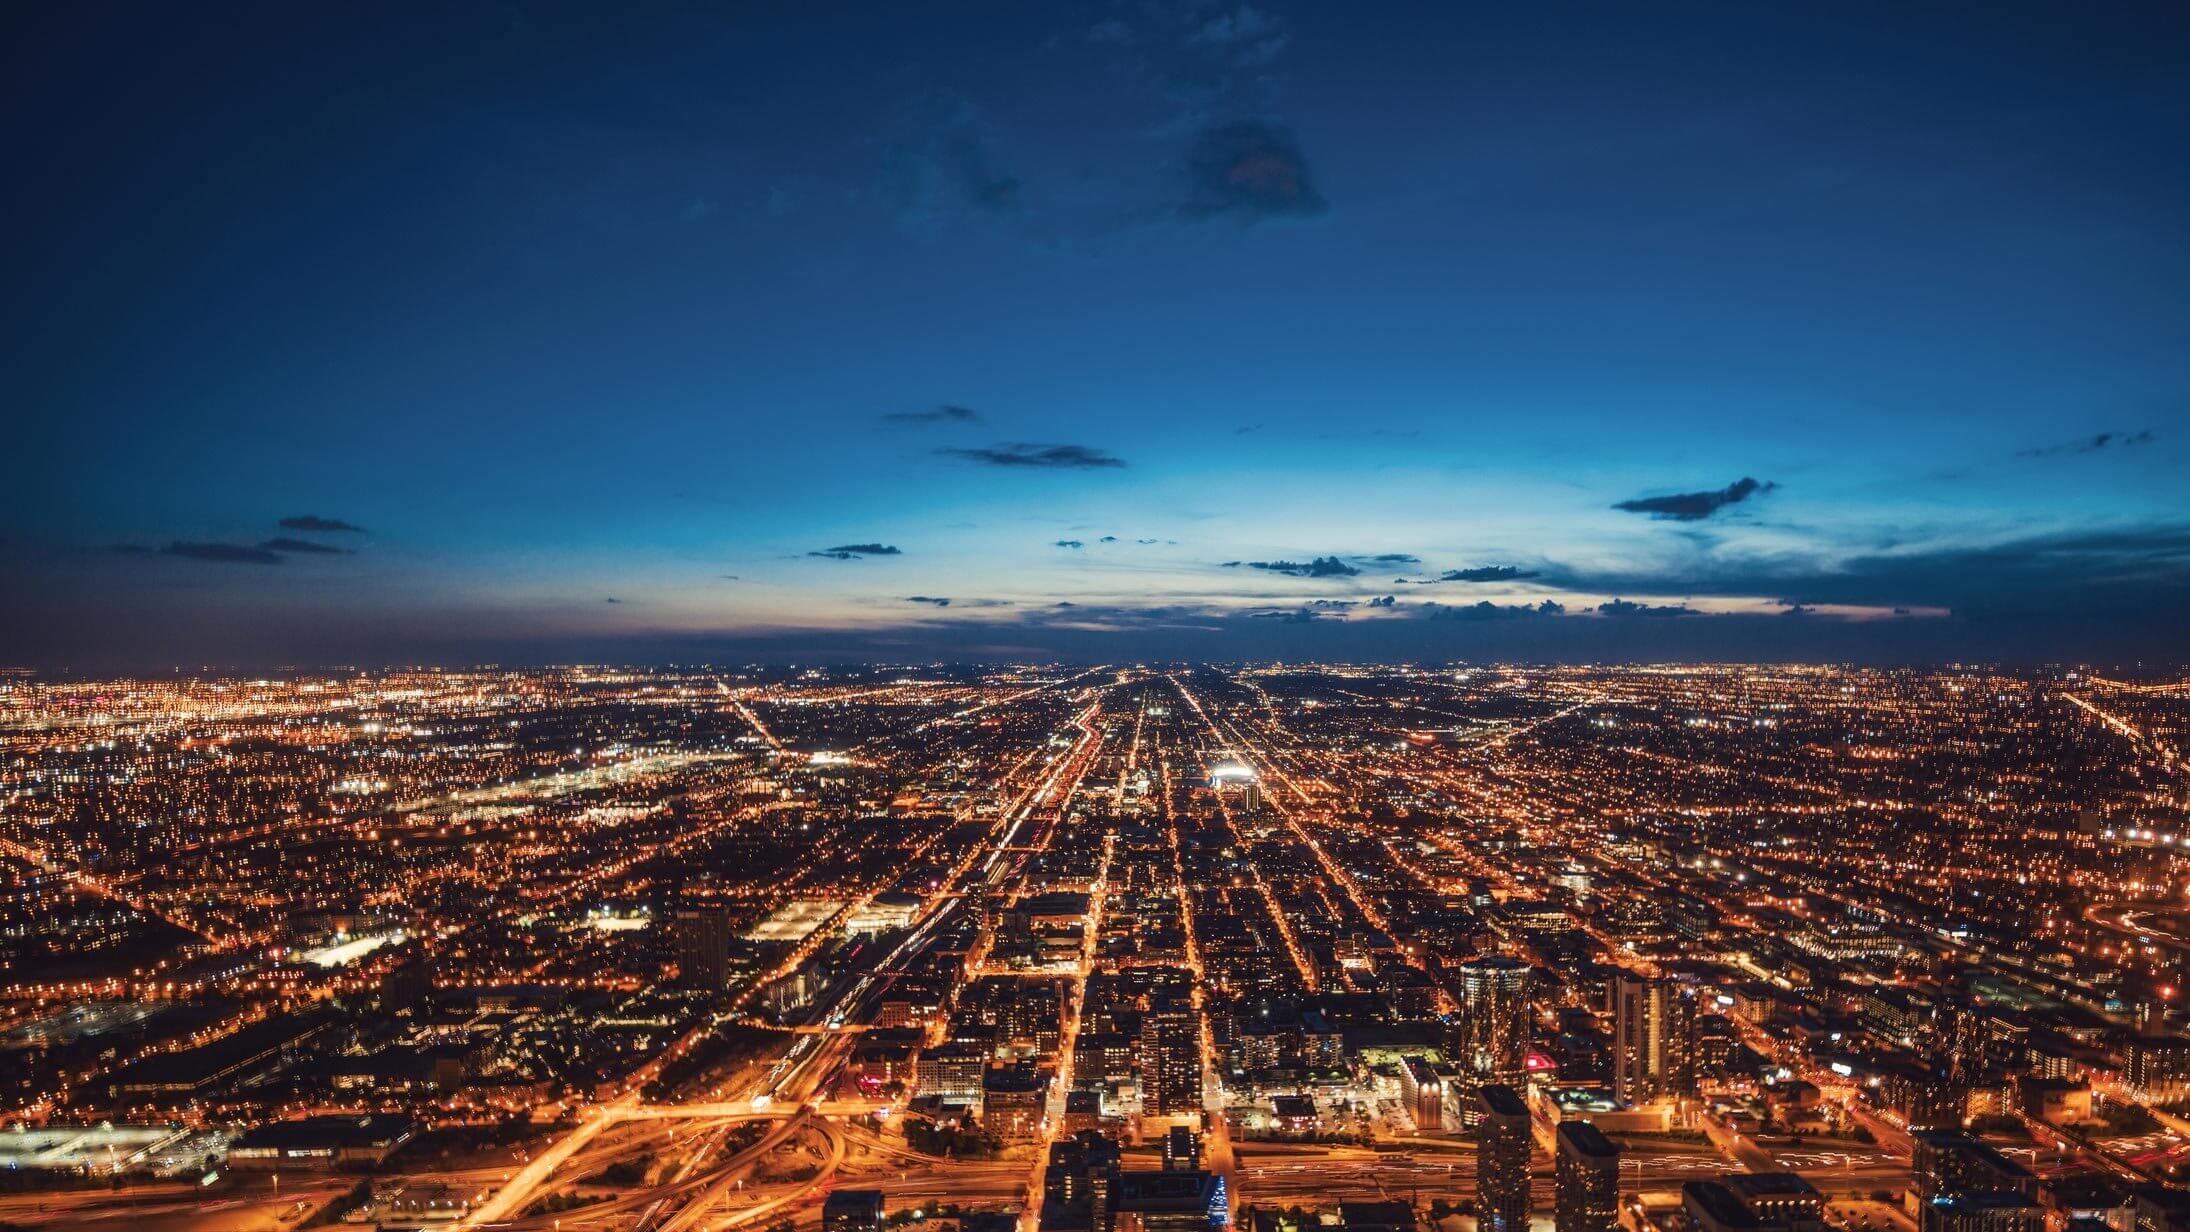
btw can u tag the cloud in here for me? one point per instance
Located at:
(1695, 506)
(1296, 616)
(2091, 444)
(1624, 608)
(1321, 566)
(303, 545)
(1245, 26)
(1107, 539)
(942, 162)
(944, 414)
(1074, 544)
(1393, 558)
(227, 553)
(1048, 457)
(699, 209)
(856, 551)
(1487, 573)
(1248, 171)
(1145, 542)
(932, 600)
(612, 599)
(2139, 574)
(1384, 601)
(1486, 610)
(318, 525)
(728, 577)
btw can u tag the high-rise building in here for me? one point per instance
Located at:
(1170, 1055)
(703, 947)
(1181, 1149)
(1586, 1179)
(1653, 1039)
(1491, 1042)
(1502, 1145)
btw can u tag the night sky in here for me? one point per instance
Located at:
(376, 334)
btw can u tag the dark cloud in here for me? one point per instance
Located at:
(1393, 558)
(1321, 566)
(2091, 444)
(315, 524)
(1248, 171)
(1107, 539)
(302, 545)
(1074, 544)
(612, 599)
(2129, 575)
(1486, 610)
(1231, 564)
(1384, 601)
(1297, 616)
(227, 553)
(728, 577)
(944, 414)
(1622, 607)
(855, 551)
(1052, 457)
(1486, 573)
(1695, 506)
(932, 600)
(942, 162)
(1145, 542)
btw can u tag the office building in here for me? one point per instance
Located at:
(1502, 1138)
(1170, 1056)
(1491, 1042)
(703, 947)
(1653, 1040)
(1586, 1188)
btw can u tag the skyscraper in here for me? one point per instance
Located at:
(1501, 1160)
(1653, 1039)
(1586, 1179)
(1492, 1036)
(703, 947)
(1170, 1055)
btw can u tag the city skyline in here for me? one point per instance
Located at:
(1086, 333)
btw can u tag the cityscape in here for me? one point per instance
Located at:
(1674, 949)
(1095, 616)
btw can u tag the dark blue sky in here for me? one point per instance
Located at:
(1135, 330)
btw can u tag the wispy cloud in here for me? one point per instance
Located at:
(857, 551)
(1248, 171)
(1319, 567)
(303, 545)
(1074, 544)
(1482, 573)
(1486, 610)
(224, 553)
(944, 414)
(930, 600)
(1624, 608)
(2091, 444)
(315, 524)
(1696, 506)
(1047, 457)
